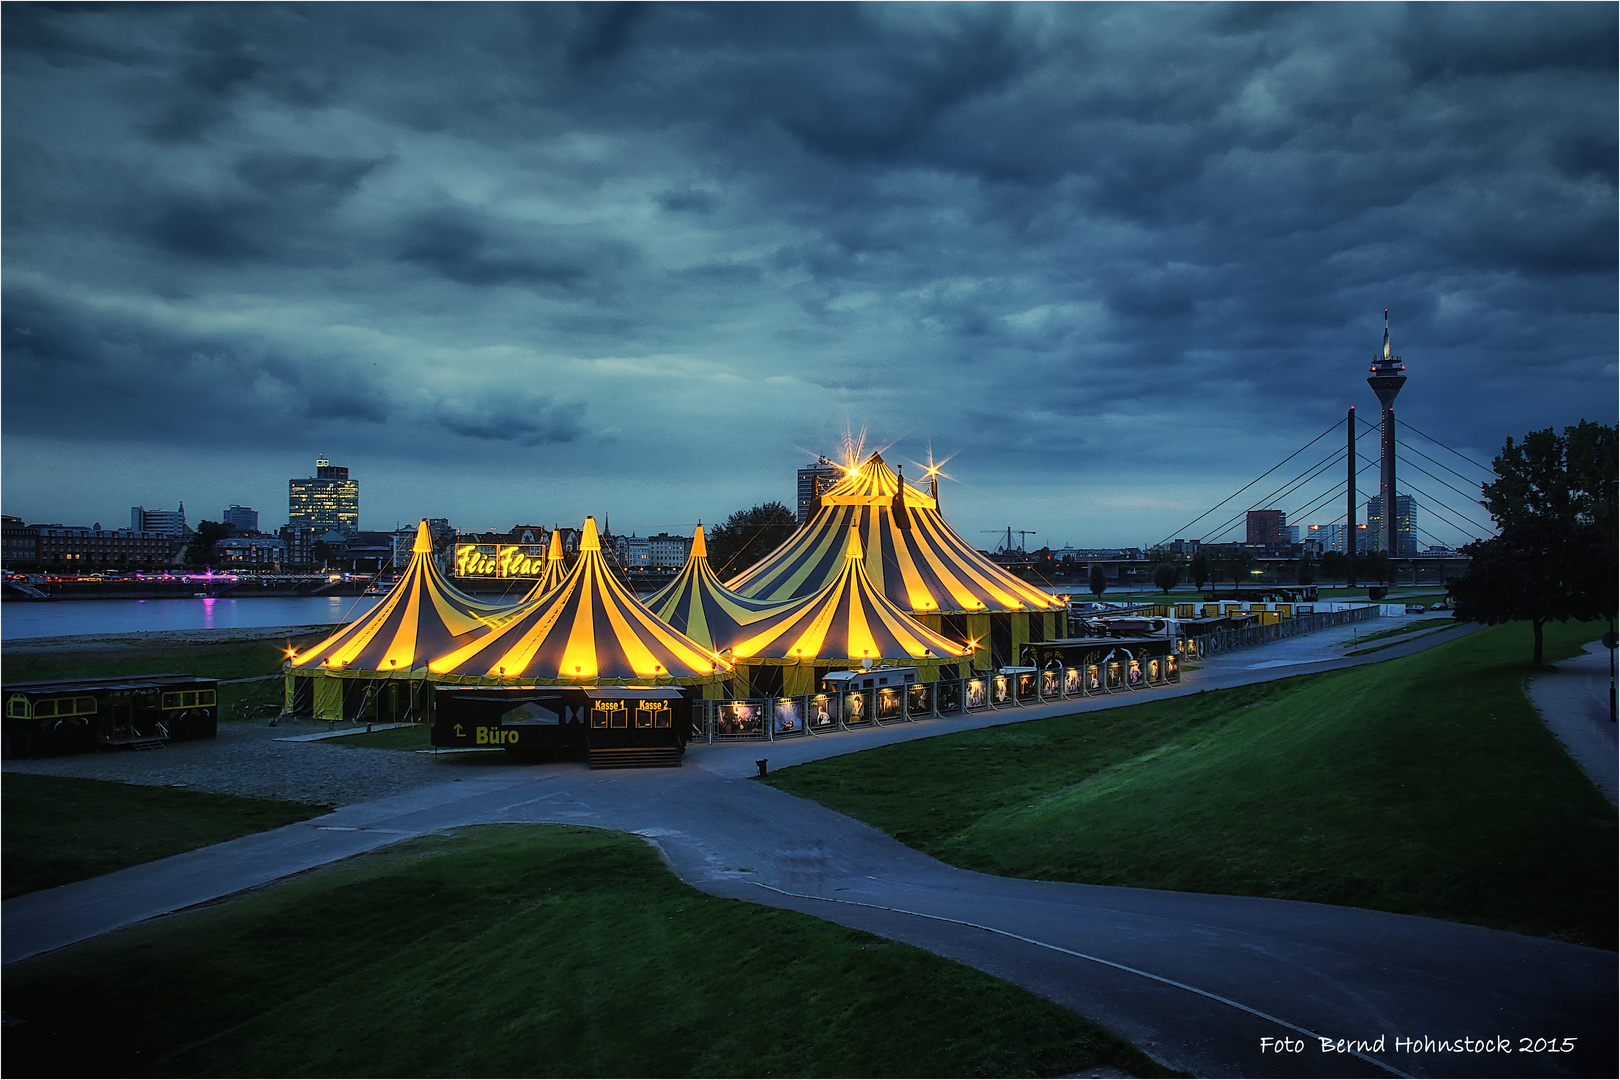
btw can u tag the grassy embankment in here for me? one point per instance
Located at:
(1425, 785)
(134, 655)
(523, 951)
(56, 829)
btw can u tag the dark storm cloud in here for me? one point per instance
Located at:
(1074, 237)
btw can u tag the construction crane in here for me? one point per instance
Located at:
(1007, 544)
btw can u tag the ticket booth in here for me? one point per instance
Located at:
(607, 726)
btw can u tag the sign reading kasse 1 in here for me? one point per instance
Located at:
(500, 560)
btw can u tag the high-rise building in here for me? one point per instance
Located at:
(167, 522)
(1266, 527)
(819, 471)
(329, 500)
(1405, 526)
(244, 519)
(1331, 537)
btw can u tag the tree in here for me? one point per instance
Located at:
(200, 548)
(1555, 556)
(1166, 577)
(1200, 571)
(1306, 574)
(1235, 562)
(1335, 565)
(748, 536)
(1099, 580)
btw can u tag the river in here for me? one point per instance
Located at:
(20, 619)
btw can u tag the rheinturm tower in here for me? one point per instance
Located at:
(1386, 380)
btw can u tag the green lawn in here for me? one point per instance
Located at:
(523, 951)
(1425, 784)
(57, 829)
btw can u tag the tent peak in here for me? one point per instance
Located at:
(700, 546)
(588, 539)
(424, 539)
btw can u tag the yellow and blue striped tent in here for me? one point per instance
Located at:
(556, 569)
(703, 609)
(423, 616)
(914, 558)
(845, 624)
(589, 630)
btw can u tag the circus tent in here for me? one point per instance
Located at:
(703, 609)
(915, 559)
(849, 623)
(590, 629)
(422, 617)
(556, 569)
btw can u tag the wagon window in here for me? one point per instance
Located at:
(85, 705)
(45, 708)
(205, 697)
(17, 707)
(171, 701)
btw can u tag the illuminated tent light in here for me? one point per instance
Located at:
(589, 627)
(916, 559)
(422, 616)
(848, 620)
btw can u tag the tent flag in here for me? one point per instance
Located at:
(590, 628)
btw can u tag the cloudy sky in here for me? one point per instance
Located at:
(524, 263)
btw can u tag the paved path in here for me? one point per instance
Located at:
(1197, 981)
(1574, 701)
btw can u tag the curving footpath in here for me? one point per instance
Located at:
(1211, 985)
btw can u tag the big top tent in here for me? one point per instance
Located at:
(590, 630)
(915, 559)
(422, 617)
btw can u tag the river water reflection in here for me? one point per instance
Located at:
(20, 619)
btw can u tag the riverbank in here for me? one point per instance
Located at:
(36, 650)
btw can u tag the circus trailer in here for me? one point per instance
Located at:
(75, 716)
(607, 726)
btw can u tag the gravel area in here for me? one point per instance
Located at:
(246, 759)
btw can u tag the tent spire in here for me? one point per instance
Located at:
(700, 546)
(424, 540)
(588, 539)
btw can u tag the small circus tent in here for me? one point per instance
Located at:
(589, 630)
(697, 605)
(915, 559)
(848, 624)
(556, 569)
(373, 659)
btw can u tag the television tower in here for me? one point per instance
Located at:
(1386, 381)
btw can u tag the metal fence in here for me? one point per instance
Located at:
(1221, 641)
(809, 715)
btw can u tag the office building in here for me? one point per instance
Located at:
(821, 472)
(327, 501)
(1404, 527)
(165, 522)
(1265, 528)
(244, 519)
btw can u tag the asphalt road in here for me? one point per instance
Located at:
(1200, 982)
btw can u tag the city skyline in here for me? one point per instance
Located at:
(1112, 262)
